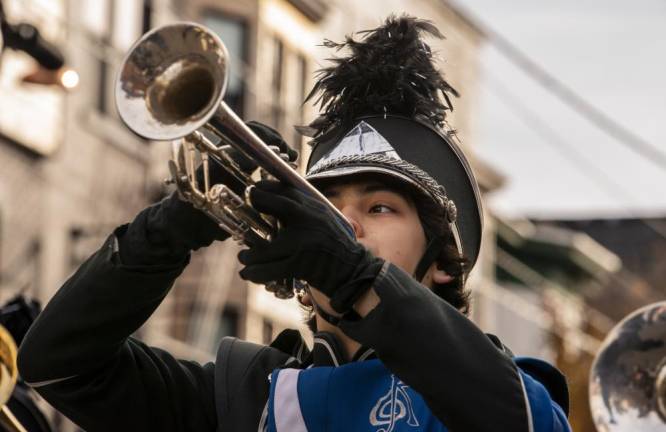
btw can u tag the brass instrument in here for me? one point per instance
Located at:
(628, 376)
(170, 87)
(8, 377)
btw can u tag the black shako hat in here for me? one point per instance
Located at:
(383, 111)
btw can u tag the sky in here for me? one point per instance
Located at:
(556, 164)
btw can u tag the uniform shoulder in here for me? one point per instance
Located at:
(549, 376)
(241, 380)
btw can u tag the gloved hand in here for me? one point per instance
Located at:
(311, 246)
(269, 136)
(193, 228)
(171, 228)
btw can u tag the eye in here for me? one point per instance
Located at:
(381, 208)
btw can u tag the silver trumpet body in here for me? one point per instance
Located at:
(170, 88)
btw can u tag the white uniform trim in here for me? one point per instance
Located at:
(301, 349)
(263, 426)
(530, 426)
(47, 382)
(286, 406)
(366, 354)
(329, 349)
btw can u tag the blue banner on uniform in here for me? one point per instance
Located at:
(366, 396)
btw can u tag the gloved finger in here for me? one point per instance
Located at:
(292, 154)
(273, 138)
(219, 175)
(245, 163)
(279, 249)
(283, 189)
(257, 242)
(275, 204)
(267, 134)
(189, 224)
(273, 186)
(268, 272)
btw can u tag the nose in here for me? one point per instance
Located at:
(358, 230)
(353, 219)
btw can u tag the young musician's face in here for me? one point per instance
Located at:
(385, 220)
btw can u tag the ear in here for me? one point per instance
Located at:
(441, 277)
(435, 276)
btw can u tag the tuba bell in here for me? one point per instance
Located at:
(170, 88)
(8, 377)
(628, 376)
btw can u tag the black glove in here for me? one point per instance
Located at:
(173, 227)
(311, 246)
(268, 135)
(271, 137)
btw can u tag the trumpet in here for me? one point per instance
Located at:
(170, 88)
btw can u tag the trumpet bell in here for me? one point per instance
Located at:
(171, 86)
(628, 377)
(172, 81)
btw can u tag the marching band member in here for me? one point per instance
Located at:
(393, 347)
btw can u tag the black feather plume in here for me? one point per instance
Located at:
(389, 70)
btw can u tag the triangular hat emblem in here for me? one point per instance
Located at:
(361, 141)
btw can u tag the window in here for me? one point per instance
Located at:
(147, 16)
(277, 111)
(228, 323)
(117, 24)
(233, 32)
(21, 273)
(21, 104)
(302, 74)
(267, 332)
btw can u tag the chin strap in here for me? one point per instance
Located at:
(433, 249)
(333, 320)
(351, 315)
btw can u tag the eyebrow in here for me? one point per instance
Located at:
(378, 187)
(331, 192)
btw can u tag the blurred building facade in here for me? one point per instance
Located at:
(71, 171)
(74, 172)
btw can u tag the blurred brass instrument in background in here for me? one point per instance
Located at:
(8, 377)
(170, 87)
(628, 376)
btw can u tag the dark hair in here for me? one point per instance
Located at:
(434, 223)
(449, 259)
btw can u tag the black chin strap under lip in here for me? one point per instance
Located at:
(432, 251)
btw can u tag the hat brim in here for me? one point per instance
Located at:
(346, 171)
